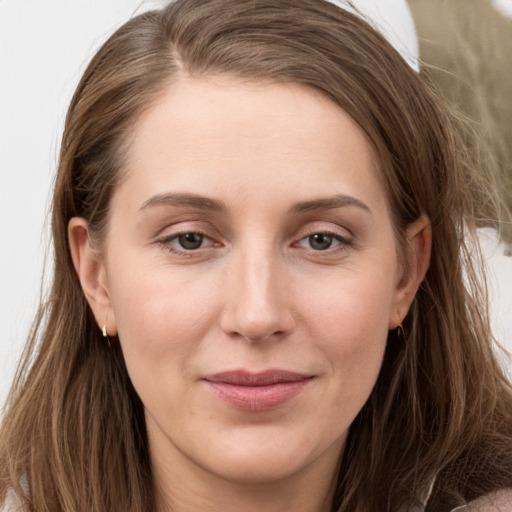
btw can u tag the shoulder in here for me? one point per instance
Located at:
(500, 501)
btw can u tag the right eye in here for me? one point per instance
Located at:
(187, 241)
(190, 241)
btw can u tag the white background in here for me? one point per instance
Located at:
(44, 45)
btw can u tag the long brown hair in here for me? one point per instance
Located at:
(73, 436)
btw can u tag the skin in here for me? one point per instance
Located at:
(279, 163)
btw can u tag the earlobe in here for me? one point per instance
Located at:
(419, 247)
(91, 273)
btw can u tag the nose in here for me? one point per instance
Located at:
(257, 298)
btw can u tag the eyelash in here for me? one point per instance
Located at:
(343, 242)
(166, 242)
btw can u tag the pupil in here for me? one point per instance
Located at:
(320, 241)
(191, 240)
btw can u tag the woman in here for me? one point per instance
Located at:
(263, 297)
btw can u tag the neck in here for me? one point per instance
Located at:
(298, 493)
(183, 486)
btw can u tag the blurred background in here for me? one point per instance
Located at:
(466, 46)
(465, 49)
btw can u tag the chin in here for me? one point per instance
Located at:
(269, 457)
(258, 469)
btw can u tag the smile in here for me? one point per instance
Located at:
(257, 392)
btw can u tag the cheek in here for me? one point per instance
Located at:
(350, 323)
(160, 312)
(353, 308)
(161, 317)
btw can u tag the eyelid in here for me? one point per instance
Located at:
(171, 233)
(345, 241)
(337, 231)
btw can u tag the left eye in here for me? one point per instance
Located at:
(320, 241)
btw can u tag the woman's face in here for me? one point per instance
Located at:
(251, 275)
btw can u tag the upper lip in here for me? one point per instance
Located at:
(264, 378)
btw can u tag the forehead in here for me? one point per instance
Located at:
(217, 135)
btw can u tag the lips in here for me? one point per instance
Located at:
(257, 392)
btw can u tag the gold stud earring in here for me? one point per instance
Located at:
(106, 335)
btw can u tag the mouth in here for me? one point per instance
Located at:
(257, 392)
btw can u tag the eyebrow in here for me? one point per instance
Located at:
(213, 205)
(187, 200)
(329, 203)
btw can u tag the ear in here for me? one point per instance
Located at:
(91, 272)
(418, 249)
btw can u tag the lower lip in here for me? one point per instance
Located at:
(257, 398)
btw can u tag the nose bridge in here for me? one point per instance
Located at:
(256, 300)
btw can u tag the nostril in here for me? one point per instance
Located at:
(256, 306)
(273, 336)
